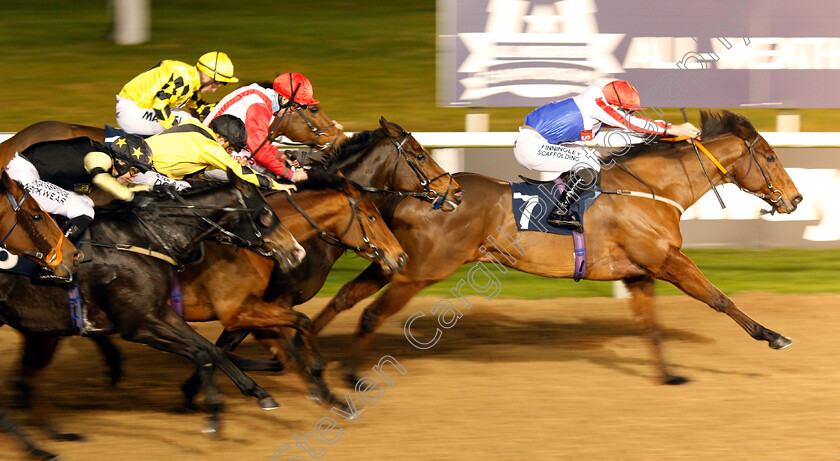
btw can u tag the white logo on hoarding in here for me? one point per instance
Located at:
(555, 48)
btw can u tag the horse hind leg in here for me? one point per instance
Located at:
(642, 291)
(684, 274)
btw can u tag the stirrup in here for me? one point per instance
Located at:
(568, 221)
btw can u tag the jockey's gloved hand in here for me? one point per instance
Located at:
(143, 201)
(164, 191)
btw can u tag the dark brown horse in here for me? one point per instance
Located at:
(633, 239)
(126, 292)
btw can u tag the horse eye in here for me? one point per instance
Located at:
(37, 217)
(266, 217)
(770, 158)
(372, 218)
(421, 157)
(313, 109)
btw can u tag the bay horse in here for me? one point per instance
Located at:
(339, 214)
(126, 292)
(636, 240)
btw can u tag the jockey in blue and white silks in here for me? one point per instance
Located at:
(550, 139)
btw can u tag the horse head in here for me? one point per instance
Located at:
(756, 168)
(37, 236)
(311, 127)
(342, 215)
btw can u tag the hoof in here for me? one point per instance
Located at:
(780, 342)
(42, 454)
(268, 403)
(212, 429)
(351, 378)
(674, 380)
(68, 437)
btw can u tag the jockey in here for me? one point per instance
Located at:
(550, 138)
(191, 147)
(256, 105)
(59, 175)
(145, 104)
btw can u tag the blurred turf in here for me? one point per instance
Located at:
(366, 59)
(732, 271)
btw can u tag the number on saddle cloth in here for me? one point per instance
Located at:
(532, 201)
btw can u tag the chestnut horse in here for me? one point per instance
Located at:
(27, 230)
(633, 239)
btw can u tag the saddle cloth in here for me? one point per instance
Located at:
(532, 203)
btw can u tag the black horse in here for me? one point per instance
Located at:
(126, 292)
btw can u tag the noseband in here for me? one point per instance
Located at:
(775, 195)
(426, 183)
(370, 250)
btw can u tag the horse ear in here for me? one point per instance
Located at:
(383, 123)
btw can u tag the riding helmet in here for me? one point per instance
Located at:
(134, 151)
(296, 87)
(217, 65)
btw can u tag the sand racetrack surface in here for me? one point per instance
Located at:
(544, 380)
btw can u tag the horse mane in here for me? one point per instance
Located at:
(353, 148)
(712, 125)
(321, 178)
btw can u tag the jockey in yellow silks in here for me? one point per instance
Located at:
(160, 97)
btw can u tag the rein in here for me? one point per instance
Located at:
(371, 250)
(51, 259)
(425, 182)
(169, 256)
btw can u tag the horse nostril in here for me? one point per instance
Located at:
(299, 253)
(796, 200)
(402, 260)
(78, 256)
(458, 194)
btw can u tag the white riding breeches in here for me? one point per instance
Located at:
(153, 178)
(52, 198)
(534, 152)
(137, 120)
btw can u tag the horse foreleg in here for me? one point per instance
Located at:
(391, 301)
(684, 274)
(38, 351)
(364, 285)
(642, 292)
(8, 426)
(260, 315)
(113, 359)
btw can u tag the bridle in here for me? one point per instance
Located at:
(318, 132)
(50, 259)
(371, 250)
(427, 194)
(775, 195)
(227, 238)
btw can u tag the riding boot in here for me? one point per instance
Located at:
(77, 227)
(562, 215)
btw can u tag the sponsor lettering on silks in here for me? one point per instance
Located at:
(48, 191)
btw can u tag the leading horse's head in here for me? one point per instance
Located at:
(28, 230)
(756, 168)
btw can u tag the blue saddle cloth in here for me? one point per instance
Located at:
(532, 203)
(14, 264)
